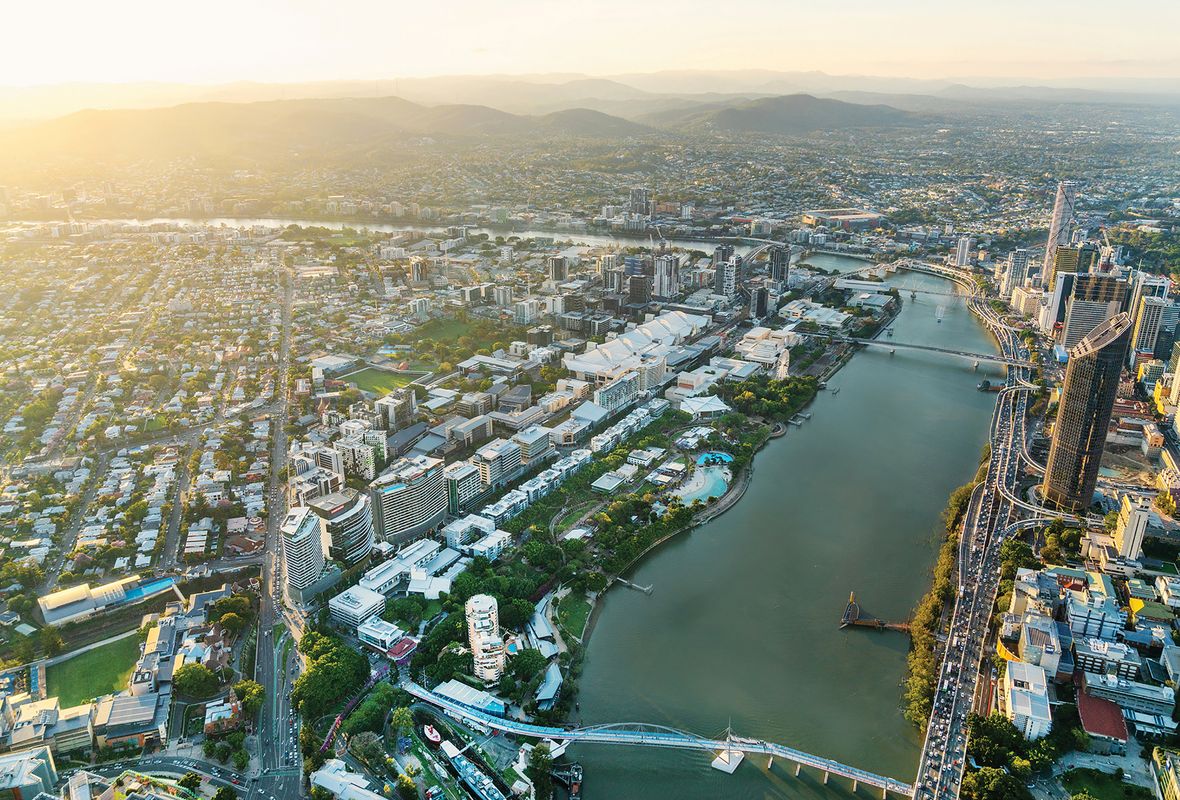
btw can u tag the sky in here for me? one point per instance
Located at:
(217, 41)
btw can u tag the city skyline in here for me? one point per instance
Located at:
(364, 40)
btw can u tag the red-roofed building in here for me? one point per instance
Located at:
(1102, 719)
(401, 651)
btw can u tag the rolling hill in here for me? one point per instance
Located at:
(251, 130)
(793, 114)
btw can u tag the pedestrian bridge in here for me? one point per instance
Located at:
(647, 735)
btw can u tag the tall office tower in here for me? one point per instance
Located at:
(612, 279)
(1148, 320)
(409, 499)
(1087, 400)
(1080, 258)
(346, 525)
(419, 270)
(1059, 225)
(608, 262)
(964, 251)
(725, 277)
(558, 268)
(722, 253)
(483, 637)
(640, 202)
(1144, 284)
(667, 277)
(1016, 273)
(780, 264)
(303, 551)
(639, 289)
(1165, 342)
(1095, 299)
(1053, 313)
(759, 302)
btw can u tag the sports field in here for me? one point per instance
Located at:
(96, 672)
(380, 381)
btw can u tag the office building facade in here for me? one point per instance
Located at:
(1087, 400)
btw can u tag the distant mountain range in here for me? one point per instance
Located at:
(346, 127)
(630, 96)
(794, 114)
(326, 127)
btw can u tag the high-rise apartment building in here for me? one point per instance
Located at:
(1016, 272)
(964, 251)
(725, 276)
(1059, 227)
(1087, 400)
(346, 525)
(640, 201)
(1095, 298)
(408, 499)
(667, 276)
(483, 637)
(303, 552)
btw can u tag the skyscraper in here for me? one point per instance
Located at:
(1082, 258)
(963, 251)
(759, 302)
(1095, 298)
(346, 525)
(640, 201)
(1087, 400)
(725, 277)
(303, 552)
(483, 637)
(780, 263)
(1149, 318)
(1059, 225)
(558, 268)
(667, 276)
(1016, 273)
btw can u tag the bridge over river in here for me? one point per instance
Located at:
(646, 735)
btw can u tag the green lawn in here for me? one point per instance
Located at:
(379, 381)
(1103, 786)
(99, 671)
(572, 612)
(443, 330)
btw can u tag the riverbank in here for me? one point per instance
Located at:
(742, 627)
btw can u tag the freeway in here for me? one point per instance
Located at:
(993, 515)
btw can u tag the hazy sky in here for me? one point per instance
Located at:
(297, 40)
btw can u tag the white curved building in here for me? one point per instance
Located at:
(483, 637)
(346, 525)
(303, 551)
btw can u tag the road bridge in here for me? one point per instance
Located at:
(648, 735)
(990, 358)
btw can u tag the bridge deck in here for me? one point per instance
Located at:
(657, 736)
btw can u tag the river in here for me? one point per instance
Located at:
(742, 628)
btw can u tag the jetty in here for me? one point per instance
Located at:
(855, 617)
